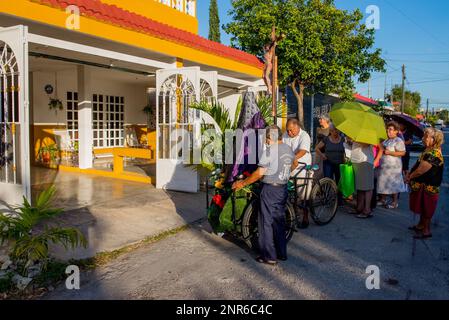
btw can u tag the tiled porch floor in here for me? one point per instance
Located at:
(111, 212)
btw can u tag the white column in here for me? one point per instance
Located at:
(85, 133)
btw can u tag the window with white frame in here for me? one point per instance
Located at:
(72, 116)
(108, 121)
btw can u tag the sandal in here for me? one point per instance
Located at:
(415, 228)
(262, 260)
(364, 215)
(392, 206)
(422, 236)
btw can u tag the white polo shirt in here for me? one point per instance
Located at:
(300, 142)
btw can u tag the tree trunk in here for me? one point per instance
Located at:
(299, 99)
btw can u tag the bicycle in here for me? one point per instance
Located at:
(323, 199)
(323, 192)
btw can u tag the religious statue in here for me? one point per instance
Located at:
(269, 53)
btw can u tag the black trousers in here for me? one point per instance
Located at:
(271, 224)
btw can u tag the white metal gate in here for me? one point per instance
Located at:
(14, 115)
(175, 90)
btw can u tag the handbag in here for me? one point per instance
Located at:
(346, 185)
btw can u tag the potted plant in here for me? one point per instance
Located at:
(55, 104)
(48, 154)
(149, 111)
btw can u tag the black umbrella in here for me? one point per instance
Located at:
(412, 125)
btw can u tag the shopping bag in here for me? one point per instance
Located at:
(346, 185)
(404, 188)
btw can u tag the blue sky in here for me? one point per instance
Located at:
(412, 32)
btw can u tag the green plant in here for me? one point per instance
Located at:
(325, 49)
(6, 283)
(49, 153)
(148, 109)
(214, 22)
(220, 114)
(29, 236)
(266, 109)
(55, 104)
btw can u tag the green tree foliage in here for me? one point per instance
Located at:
(325, 49)
(444, 115)
(214, 22)
(412, 99)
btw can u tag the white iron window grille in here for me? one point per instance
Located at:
(72, 116)
(108, 114)
(9, 116)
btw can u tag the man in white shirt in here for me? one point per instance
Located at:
(299, 141)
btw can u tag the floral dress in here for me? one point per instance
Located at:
(426, 188)
(432, 179)
(390, 180)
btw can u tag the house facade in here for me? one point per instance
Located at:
(87, 80)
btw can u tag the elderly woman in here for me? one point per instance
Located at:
(363, 159)
(425, 179)
(332, 151)
(321, 133)
(390, 181)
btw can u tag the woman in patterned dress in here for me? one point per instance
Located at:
(390, 181)
(425, 179)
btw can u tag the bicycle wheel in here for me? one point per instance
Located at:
(323, 201)
(250, 227)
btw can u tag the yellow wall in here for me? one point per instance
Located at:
(56, 17)
(146, 136)
(159, 12)
(43, 136)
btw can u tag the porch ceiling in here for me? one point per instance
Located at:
(47, 65)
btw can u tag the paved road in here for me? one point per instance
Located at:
(324, 263)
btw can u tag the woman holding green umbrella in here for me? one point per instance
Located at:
(364, 129)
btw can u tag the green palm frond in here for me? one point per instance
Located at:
(28, 245)
(238, 109)
(265, 107)
(217, 111)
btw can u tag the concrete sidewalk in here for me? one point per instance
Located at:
(114, 213)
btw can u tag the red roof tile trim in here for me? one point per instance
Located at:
(112, 14)
(365, 99)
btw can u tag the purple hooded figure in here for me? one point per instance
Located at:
(250, 118)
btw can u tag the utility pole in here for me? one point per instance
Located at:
(427, 108)
(385, 88)
(403, 89)
(369, 87)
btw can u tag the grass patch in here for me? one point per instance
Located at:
(6, 284)
(103, 258)
(54, 273)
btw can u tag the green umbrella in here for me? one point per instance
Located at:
(358, 122)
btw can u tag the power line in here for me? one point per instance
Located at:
(418, 61)
(429, 72)
(417, 24)
(430, 81)
(417, 54)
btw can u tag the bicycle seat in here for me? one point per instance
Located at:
(314, 167)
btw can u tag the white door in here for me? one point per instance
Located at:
(14, 116)
(175, 90)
